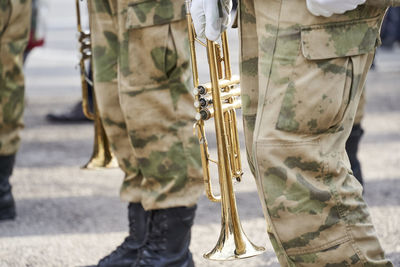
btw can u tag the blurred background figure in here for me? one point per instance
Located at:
(15, 21)
(74, 113)
(390, 33)
(390, 36)
(354, 139)
(38, 26)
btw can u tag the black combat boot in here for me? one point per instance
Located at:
(7, 204)
(168, 239)
(72, 115)
(126, 253)
(352, 149)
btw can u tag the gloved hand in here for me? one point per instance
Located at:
(327, 8)
(210, 17)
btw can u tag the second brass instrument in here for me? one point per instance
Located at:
(219, 99)
(102, 156)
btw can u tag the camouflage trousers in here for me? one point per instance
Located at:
(142, 79)
(301, 79)
(14, 32)
(360, 108)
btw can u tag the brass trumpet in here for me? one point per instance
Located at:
(102, 156)
(219, 99)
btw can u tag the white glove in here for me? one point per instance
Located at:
(210, 17)
(327, 8)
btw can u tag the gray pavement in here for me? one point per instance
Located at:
(72, 217)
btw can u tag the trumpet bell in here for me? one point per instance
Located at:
(102, 156)
(99, 161)
(226, 248)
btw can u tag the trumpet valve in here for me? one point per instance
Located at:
(203, 114)
(201, 90)
(204, 102)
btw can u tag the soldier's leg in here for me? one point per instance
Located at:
(313, 205)
(14, 32)
(105, 47)
(354, 140)
(158, 108)
(248, 73)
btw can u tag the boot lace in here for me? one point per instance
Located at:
(156, 241)
(125, 246)
(121, 249)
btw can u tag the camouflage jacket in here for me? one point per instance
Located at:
(360, 26)
(143, 13)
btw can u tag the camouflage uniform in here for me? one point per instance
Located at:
(14, 32)
(300, 89)
(360, 109)
(142, 80)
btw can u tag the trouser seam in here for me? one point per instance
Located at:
(260, 107)
(325, 246)
(347, 227)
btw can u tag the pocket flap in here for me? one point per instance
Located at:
(340, 39)
(154, 12)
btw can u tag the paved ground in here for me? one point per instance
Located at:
(72, 217)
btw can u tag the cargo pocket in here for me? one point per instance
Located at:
(321, 85)
(150, 47)
(147, 13)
